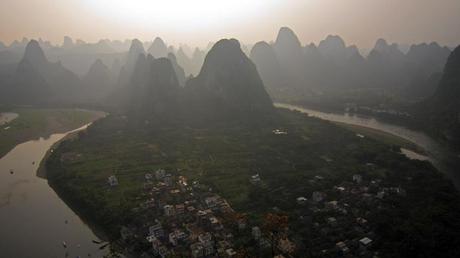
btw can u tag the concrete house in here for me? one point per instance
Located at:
(112, 180)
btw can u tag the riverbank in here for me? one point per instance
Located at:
(28, 202)
(7, 117)
(41, 171)
(440, 155)
(33, 123)
(309, 155)
(384, 137)
(379, 130)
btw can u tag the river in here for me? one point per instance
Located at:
(440, 156)
(34, 221)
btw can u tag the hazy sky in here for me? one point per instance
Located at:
(197, 22)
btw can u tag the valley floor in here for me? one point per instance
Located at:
(336, 189)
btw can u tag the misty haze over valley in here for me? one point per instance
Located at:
(313, 142)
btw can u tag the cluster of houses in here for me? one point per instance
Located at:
(189, 220)
(181, 219)
(338, 216)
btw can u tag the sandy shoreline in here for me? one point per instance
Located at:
(29, 133)
(41, 171)
(7, 117)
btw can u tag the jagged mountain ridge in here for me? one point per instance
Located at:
(230, 80)
(334, 66)
(441, 112)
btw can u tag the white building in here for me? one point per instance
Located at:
(112, 180)
(168, 180)
(365, 242)
(207, 243)
(301, 200)
(156, 230)
(197, 250)
(169, 210)
(318, 196)
(332, 221)
(279, 132)
(160, 174)
(256, 233)
(357, 179)
(255, 179)
(230, 253)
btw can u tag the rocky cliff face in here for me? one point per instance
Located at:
(230, 81)
(154, 88)
(263, 55)
(158, 48)
(441, 112)
(37, 80)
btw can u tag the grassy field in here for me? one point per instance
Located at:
(34, 123)
(384, 137)
(223, 157)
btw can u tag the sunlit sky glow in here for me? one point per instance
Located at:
(181, 14)
(198, 22)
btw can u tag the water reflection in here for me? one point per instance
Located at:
(440, 156)
(34, 221)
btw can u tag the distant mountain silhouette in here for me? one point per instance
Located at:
(180, 74)
(449, 88)
(184, 61)
(37, 80)
(19, 44)
(427, 62)
(34, 56)
(289, 52)
(158, 48)
(441, 112)
(115, 70)
(134, 52)
(332, 66)
(68, 43)
(229, 82)
(136, 49)
(286, 67)
(386, 66)
(263, 55)
(337, 66)
(333, 47)
(154, 88)
(98, 80)
(197, 60)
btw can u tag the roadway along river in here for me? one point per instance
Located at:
(440, 156)
(34, 221)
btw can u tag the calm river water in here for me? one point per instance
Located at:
(440, 156)
(34, 221)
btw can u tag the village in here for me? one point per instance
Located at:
(182, 219)
(338, 218)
